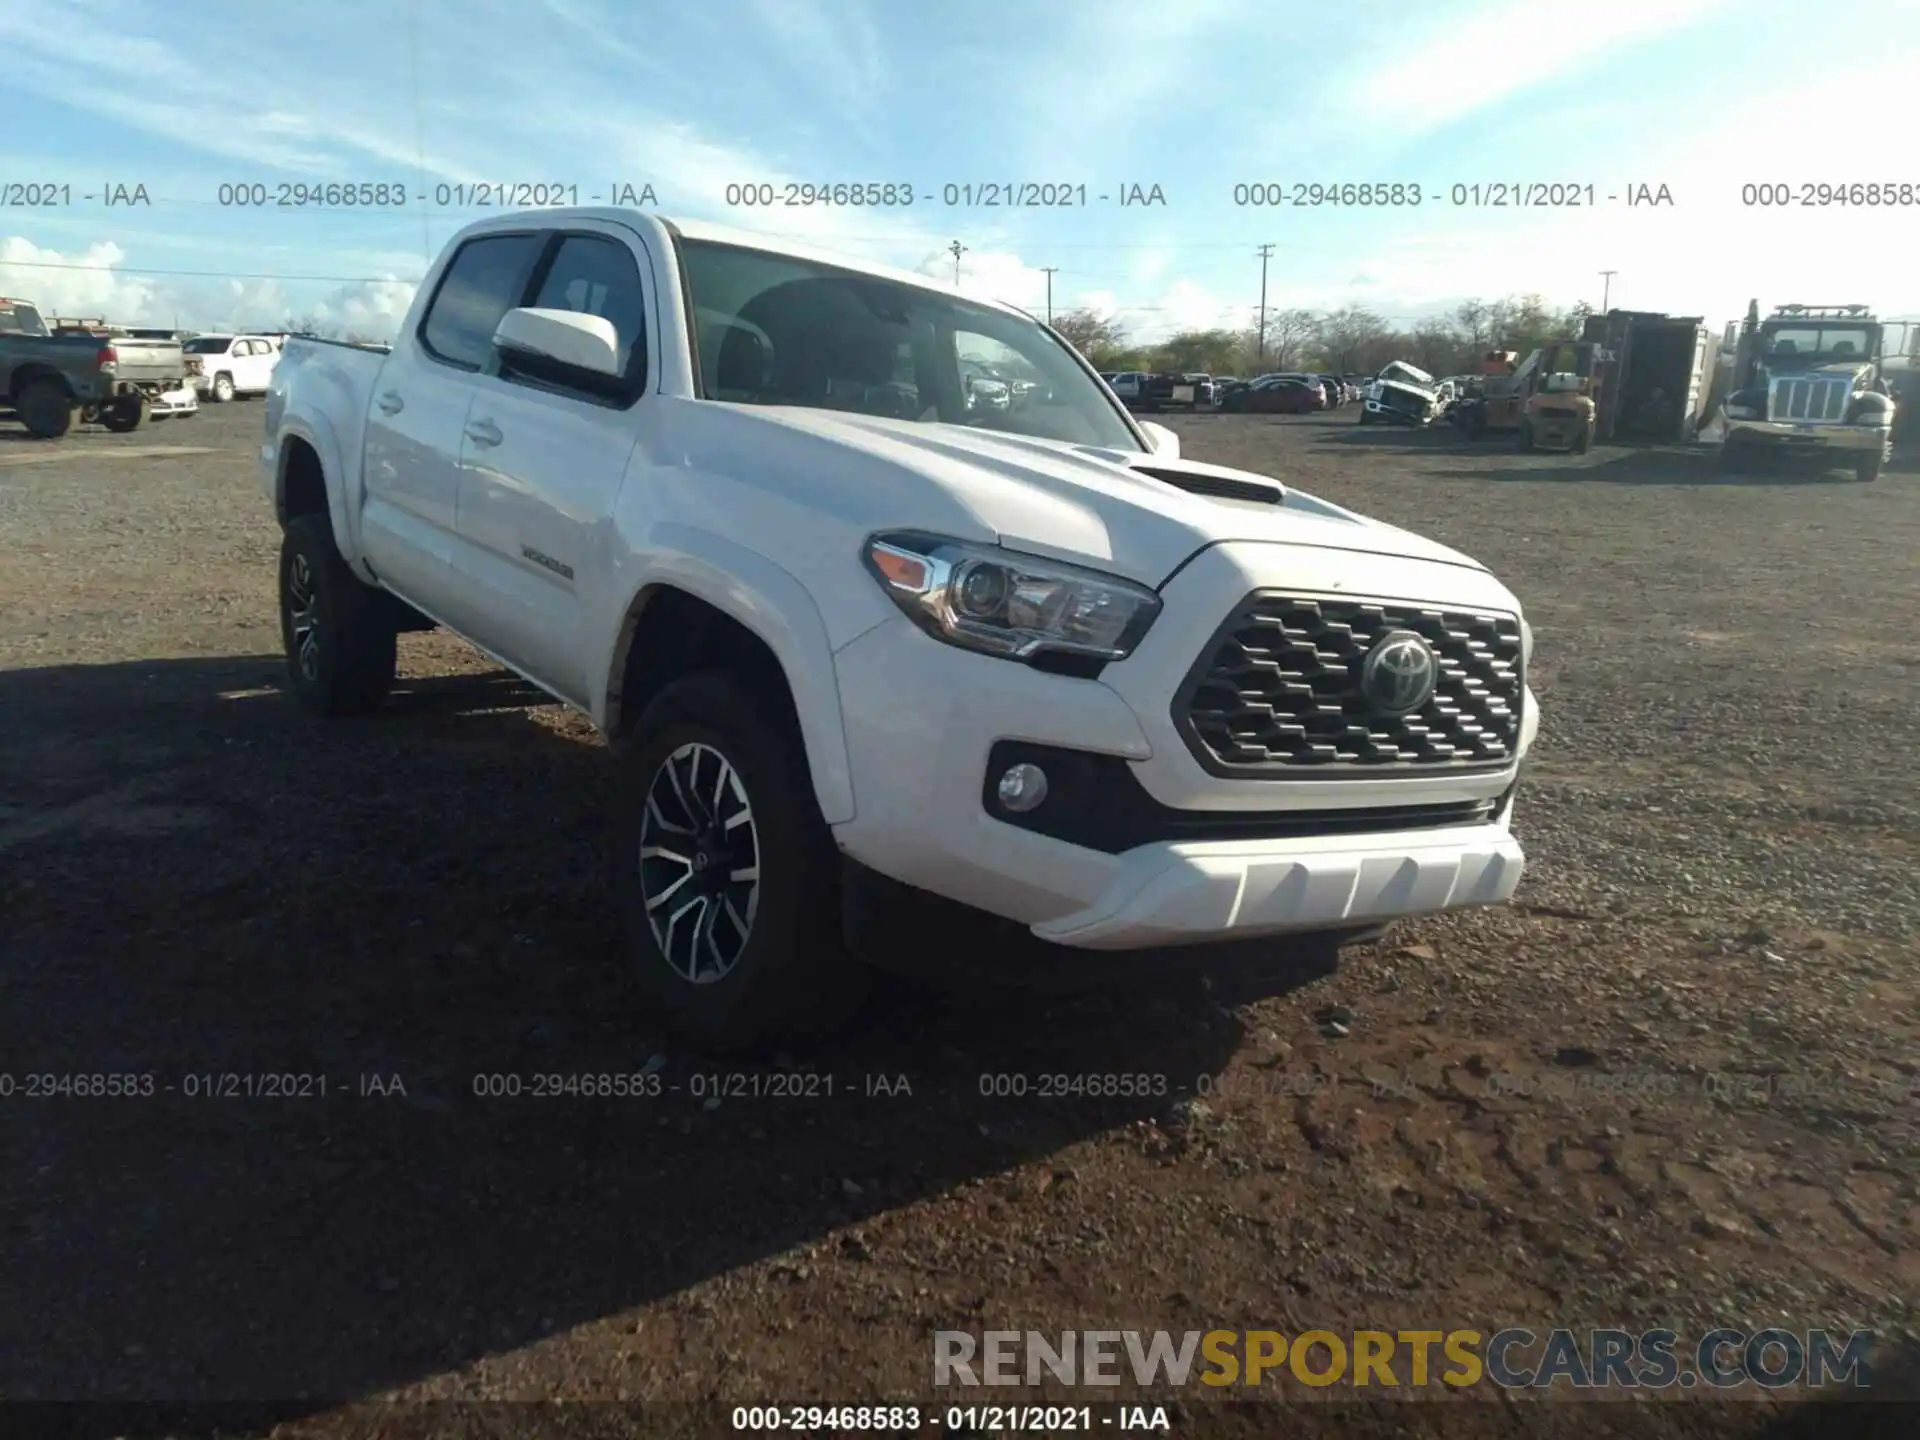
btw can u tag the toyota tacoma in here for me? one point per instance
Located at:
(852, 634)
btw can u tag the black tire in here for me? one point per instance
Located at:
(45, 408)
(1584, 441)
(789, 972)
(348, 666)
(1526, 435)
(1868, 471)
(1366, 416)
(125, 413)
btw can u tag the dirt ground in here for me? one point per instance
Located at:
(1673, 1085)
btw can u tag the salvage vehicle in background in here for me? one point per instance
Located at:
(50, 382)
(1277, 395)
(1811, 392)
(978, 678)
(224, 366)
(1401, 394)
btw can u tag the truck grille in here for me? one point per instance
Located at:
(1278, 690)
(1809, 399)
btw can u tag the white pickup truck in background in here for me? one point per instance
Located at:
(854, 634)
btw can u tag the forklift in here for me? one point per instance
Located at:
(1547, 400)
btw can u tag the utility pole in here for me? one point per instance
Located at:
(1260, 336)
(1606, 290)
(958, 250)
(1050, 269)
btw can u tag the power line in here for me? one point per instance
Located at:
(1051, 271)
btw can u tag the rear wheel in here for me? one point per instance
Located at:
(1526, 435)
(1583, 442)
(339, 638)
(727, 878)
(45, 408)
(125, 412)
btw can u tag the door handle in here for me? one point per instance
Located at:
(485, 434)
(391, 403)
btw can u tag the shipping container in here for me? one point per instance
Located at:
(1656, 384)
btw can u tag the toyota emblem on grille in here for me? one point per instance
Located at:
(1399, 673)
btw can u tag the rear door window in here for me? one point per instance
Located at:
(484, 281)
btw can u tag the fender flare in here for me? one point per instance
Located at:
(317, 432)
(771, 603)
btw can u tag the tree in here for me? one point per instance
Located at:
(1289, 332)
(1351, 335)
(1199, 351)
(1098, 337)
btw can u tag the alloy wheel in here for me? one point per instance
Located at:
(699, 864)
(303, 618)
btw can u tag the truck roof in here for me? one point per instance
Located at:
(747, 239)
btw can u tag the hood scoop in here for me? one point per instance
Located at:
(1220, 487)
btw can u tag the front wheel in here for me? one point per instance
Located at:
(1868, 470)
(223, 388)
(125, 413)
(339, 639)
(726, 876)
(1366, 417)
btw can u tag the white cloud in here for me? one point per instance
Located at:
(1452, 68)
(84, 284)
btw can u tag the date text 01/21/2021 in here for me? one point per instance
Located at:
(1488, 195)
(972, 194)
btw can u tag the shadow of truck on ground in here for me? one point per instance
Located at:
(197, 882)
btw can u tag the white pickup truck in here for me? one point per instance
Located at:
(857, 640)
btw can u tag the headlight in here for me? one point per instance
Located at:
(999, 602)
(1526, 644)
(1742, 412)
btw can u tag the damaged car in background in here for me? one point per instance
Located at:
(1401, 394)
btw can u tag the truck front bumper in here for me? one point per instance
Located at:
(1391, 416)
(1786, 437)
(924, 721)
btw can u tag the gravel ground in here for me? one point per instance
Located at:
(1669, 1086)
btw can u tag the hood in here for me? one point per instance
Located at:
(1789, 369)
(1095, 506)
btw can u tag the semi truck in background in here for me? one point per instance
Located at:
(1808, 387)
(1900, 368)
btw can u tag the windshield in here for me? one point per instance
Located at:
(208, 345)
(20, 318)
(774, 330)
(1831, 340)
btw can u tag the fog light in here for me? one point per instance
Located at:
(1023, 787)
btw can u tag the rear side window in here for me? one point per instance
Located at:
(484, 281)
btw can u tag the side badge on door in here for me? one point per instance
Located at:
(547, 562)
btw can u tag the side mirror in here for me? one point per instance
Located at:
(1163, 440)
(566, 337)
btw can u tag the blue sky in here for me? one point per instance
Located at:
(1195, 96)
